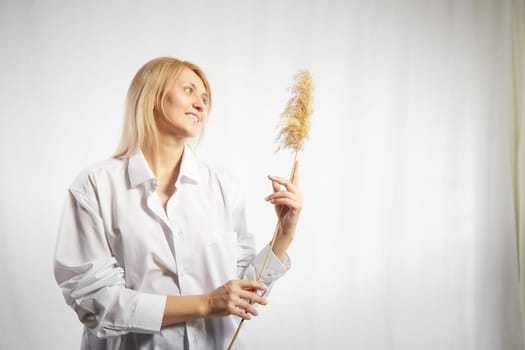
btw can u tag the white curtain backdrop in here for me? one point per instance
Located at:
(408, 239)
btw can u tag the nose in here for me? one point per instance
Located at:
(198, 104)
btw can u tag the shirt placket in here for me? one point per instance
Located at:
(179, 246)
(174, 235)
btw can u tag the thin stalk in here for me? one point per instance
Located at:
(267, 258)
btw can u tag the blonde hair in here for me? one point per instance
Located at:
(146, 93)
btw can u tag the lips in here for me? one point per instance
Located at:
(193, 116)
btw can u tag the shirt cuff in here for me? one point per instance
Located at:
(275, 268)
(148, 314)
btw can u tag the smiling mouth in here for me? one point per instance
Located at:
(193, 117)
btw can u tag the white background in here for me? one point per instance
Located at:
(407, 240)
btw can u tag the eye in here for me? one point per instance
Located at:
(188, 89)
(205, 101)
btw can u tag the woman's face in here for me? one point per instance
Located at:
(185, 107)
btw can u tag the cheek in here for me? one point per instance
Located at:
(170, 104)
(174, 112)
(174, 101)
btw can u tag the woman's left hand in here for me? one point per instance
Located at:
(288, 202)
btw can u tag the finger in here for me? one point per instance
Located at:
(276, 187)
(248, 309)
(252, 285)
(285, 194)
(287, 202)
(253, 298)
(282, 181)
(241, 312)
(281, 194)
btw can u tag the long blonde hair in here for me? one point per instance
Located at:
(146, 93)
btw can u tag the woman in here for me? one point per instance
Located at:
(153, 249)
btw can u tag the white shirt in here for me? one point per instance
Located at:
(119, 254)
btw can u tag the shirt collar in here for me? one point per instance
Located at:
(189, 168)
(140, 172)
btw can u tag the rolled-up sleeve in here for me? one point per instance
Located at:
(92, 282)
(250, 264)
(275, 267)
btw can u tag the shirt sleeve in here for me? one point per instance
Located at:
(92, 282)
(250, 264)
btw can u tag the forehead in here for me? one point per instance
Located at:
(189, 76)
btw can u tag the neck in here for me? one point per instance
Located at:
(164, 159)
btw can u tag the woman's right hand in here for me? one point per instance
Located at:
(235, 298)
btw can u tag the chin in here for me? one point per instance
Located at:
(189, 134)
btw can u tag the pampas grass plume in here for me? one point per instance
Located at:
(295, 120)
